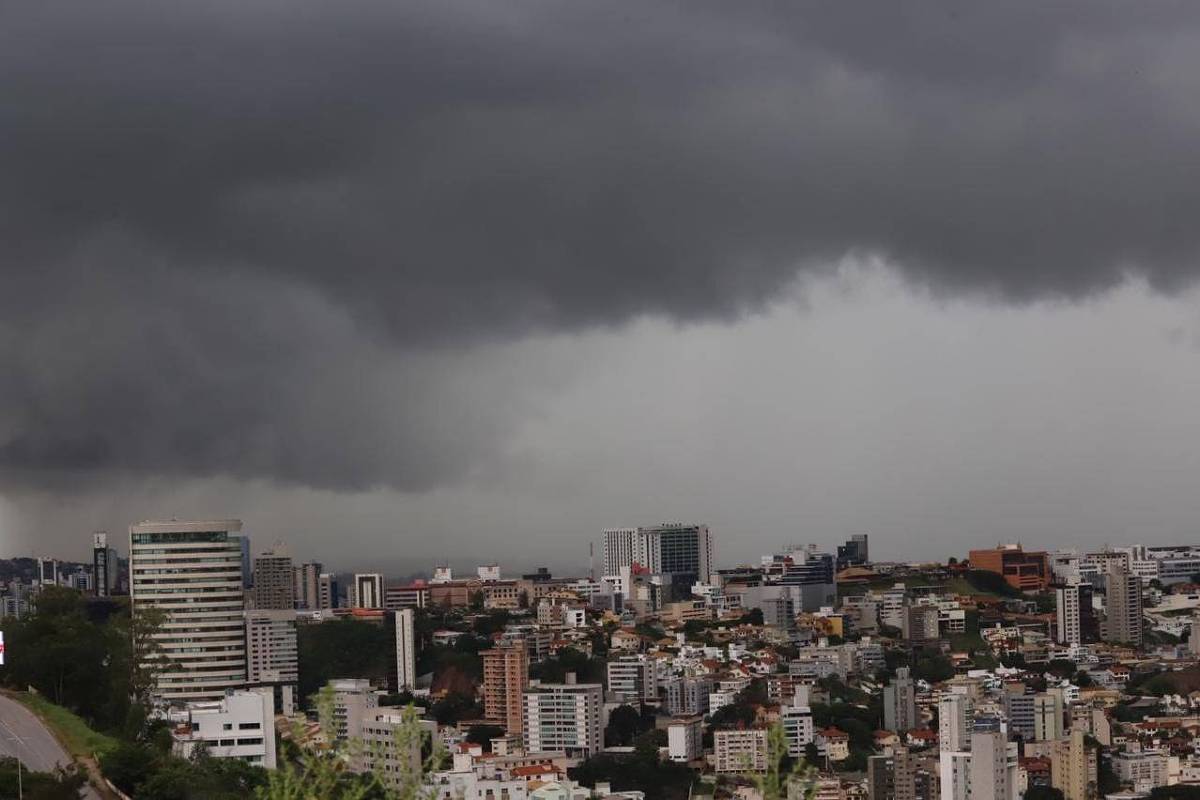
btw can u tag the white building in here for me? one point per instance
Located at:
(954, 723)
(633, 678)
(685, 737)
(797, 721)
(1145, 770)
(564, 716)
(271, 655)
(367, 591)
(406, 651)
(354, 703)
(239, 725)
(194, 573)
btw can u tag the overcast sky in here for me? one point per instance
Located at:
(405, 282)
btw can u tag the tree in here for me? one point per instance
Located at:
(624, 723)
(774, 782)
(62, 784)
(1043, 793)
(483, 734)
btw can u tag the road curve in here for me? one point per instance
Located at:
(24, 736)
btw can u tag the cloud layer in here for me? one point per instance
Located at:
(277, 239)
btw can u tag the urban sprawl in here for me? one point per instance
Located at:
(1003, 673)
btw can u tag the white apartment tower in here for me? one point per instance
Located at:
(564, 716)
(671, 548)
(368, 591)
(193, 572)
(954, 723)
(272, 655)
(406, 650)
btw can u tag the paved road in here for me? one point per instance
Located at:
(23, 735)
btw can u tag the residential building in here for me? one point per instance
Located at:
(685, 696)
(405, 650)
(1027, 571)
(47, 572)
(327, 591)
(1122, 609)
(993, 767)
(1074, 767)
(272, 656)
(900, 703)
(193, 573)
(1075, 617)
(505, 677)
(1018, 708)
(354, 704)
(1144, 770)
(920, 624)
(955, 722)
(240, 725)
(798, 726)
(685, 738)
(633, 678)
(564, 716)
(367, 591)
(385, 755)
(1047, 716)
(274, 579)
(307, 585)
(740, 750)
(105, 566)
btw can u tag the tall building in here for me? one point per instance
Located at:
(564, 716)
(814, 575)
(306, 583)
(192, 571)
(1123, 609)
(993, 772)
(955, 721)
(672, 549)
(327, 591)
(354, 704)
(505, 676)
(47, 572)
(1074, 767)
(854, 552)
(272, 660)
(274, 580)
(1075, 617)
(1018, 707)
(1047, 716)
(740, 750)
(900, 703)
(105, 566)
(1027, 571)
(798, 726)
(633, 678)
(368, 591)
(406, 650)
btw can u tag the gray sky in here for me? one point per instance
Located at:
(400, 282)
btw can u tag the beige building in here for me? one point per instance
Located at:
(192, 572)
(740, 750)
(1073, 767)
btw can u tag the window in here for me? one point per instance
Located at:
(249, 726)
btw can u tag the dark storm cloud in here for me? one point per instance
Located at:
(229, 230)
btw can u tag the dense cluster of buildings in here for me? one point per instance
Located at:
(979, 680)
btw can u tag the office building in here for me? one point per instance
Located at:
(672, 549)
(743, 750)
(307, 585)
(240, 725)
(1027, 571)
(192, 572)
(633, 679)
(328, 591)
(367, 591)
(105, 566)
(1122, 609)
(272, 660)
(811, 573)
(47, 572)
(564, 716)
(405, 650)
(853, 553)
(505, 676)
(274, 579)
(900, 703)
(1074, 616)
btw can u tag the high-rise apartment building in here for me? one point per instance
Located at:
(633, 678)
(1018, 708)
(955, 721)
(405, 650)
(306, 585)
(1047, 716)
(192, 572)
(671, 548)
(105, 566)
(1123, 609)
(798, 726)
(272, 655)
(1075, 617)
(1074, 767)
(564, 716)
(505, 676)
(900, 703)
(274, 579)
(993, 771)
(368, 590)
(740, 750)
(327, 591)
